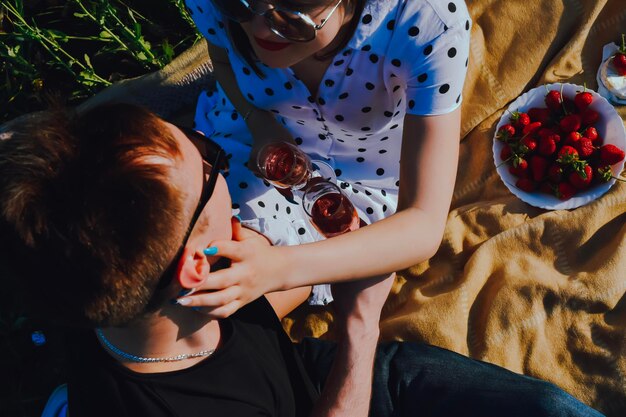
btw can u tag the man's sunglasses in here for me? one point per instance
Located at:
(288, 24)
(213, 162)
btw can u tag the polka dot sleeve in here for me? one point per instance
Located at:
(209, 21)
(438, 37)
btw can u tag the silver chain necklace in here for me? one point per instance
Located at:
(141, 359)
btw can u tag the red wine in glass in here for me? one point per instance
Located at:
(330, 210)
(284, 165)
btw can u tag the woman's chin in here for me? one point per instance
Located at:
(278, 65)
(273, 60)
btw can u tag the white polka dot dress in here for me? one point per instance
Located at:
(405, 57)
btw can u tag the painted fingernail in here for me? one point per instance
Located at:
(210, 251)
(185, 291)
(183, 301)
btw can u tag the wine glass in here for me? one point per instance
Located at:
(284, 165)
(330, 210)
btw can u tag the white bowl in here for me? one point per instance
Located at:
(610, 128)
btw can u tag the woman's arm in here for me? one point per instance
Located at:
(283, 302)
(429, 159)
(224, 75)
(262, 124)
(428, 167)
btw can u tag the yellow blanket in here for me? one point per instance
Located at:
(538, 292)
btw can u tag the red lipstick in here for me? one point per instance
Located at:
(271, 46)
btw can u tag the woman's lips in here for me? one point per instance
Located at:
(271, 46)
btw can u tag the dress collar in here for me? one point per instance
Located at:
(373, 21)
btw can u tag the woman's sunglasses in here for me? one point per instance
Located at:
(288, 24)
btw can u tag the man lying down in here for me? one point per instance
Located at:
(105, 218)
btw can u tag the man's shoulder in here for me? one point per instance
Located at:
(259, 311)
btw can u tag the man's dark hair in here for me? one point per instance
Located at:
(89, 218)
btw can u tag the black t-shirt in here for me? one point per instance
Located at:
(255, 372)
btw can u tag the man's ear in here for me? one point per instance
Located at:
(193, 269)
(237, 228)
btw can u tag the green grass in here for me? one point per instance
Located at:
(66, 51)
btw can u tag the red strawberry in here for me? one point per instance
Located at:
(530, 143)
(526, 184)
(518, 161)
(565, 191)
(583, 99)
(553, 100)
(573, 138)
(505, 132)
(546, 187)
(591, 133)
(547, 145)
(611, 154)
(519, 167)
(569, 106)
(604, 173)
(555, 172)
(619, 59)
(506, 152)
(567, 155)
(537, 114)
(538, 167)
(570, 123)
(584, 147)
(581, 180)
(531, 128)
(589, 117)
(544, 131)
(519, 120)
(524, 119)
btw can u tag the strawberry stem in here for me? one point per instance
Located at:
(513, 156)
(520, 139)
(505, 161)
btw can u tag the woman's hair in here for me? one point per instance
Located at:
(242, 43)
(88, 217)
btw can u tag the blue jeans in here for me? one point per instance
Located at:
(417, 380)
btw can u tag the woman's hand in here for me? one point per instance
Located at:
(262, 123)
(265, 129)
(253, 259)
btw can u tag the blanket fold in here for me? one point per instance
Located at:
(539, 292)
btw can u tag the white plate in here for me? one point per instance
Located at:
(610, 128)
